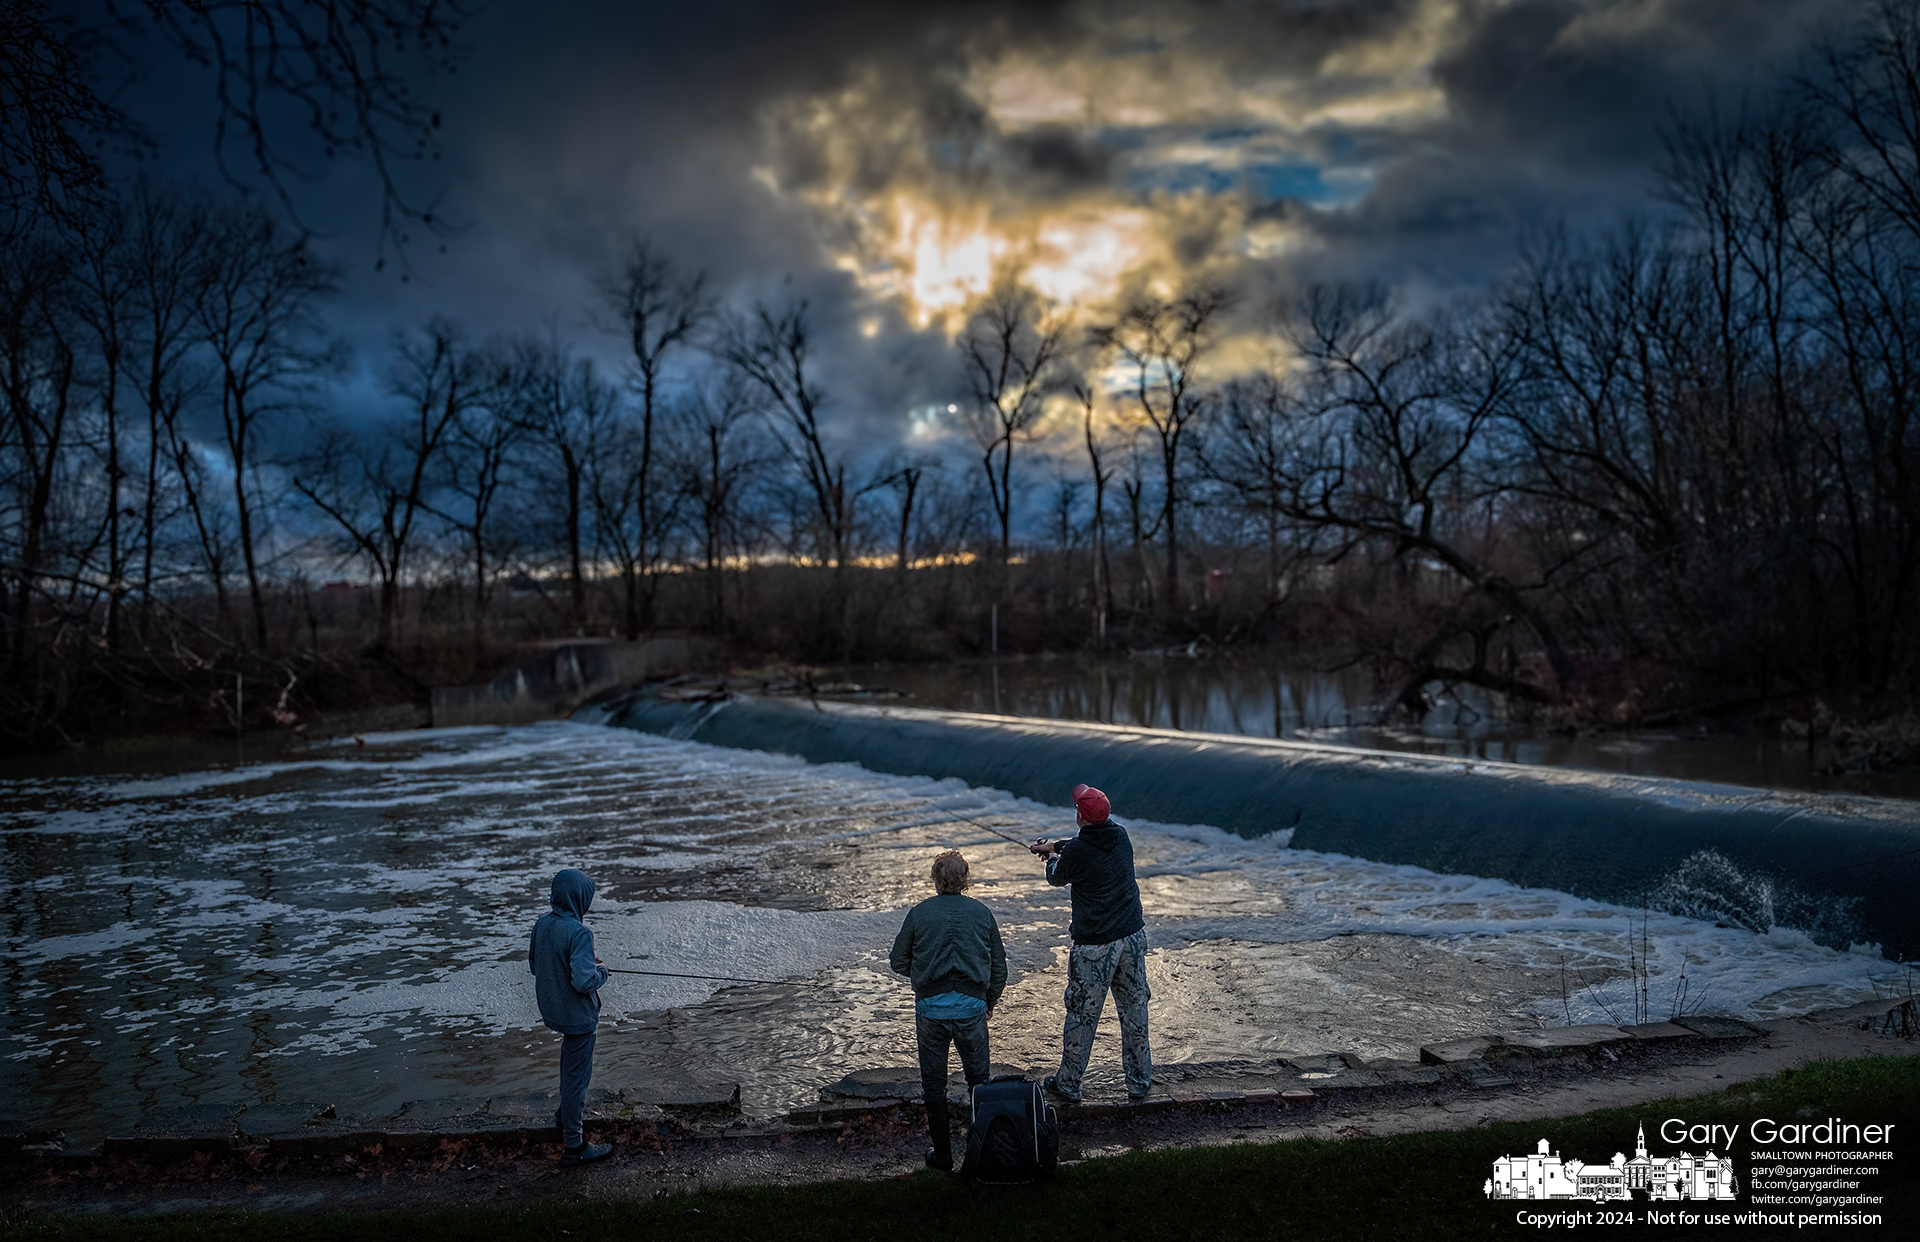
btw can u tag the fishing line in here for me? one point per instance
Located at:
(674, 974)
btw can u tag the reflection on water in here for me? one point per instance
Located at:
(1263, 698)
(347, 926)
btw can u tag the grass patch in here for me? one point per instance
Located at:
(1403, 1187)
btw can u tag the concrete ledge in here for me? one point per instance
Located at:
(1720, 1026)
(178, 1132)
(1346, 1080)
(1458, 1051)
(1653, 1032)
(841, 1114)
(1893, 1015)
(264, 1119)
(1553, 1040)
(324, 1142)
(1323, 1062)
(874, 1084)
(25, 1137)
(712, 1097)
(166, 1146)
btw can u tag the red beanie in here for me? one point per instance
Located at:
(1092, 804)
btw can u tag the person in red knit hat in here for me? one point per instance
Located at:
(1109, 951)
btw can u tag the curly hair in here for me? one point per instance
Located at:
(951, 873)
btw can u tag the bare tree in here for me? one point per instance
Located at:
(1162, 343)
(773, 351)
(1101, 474)
(567, 411)
(258, 314)
(903, 480)
(51, 118)
(657, 309)
(38, 376)
(1402, 408)
(1861, 245)
(1009, 350)
(1251, 451)
(376, 490)
(170, 229)
(477, 471)
(297, 84)
(716, 455)
(104, 303)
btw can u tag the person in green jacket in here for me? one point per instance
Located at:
(950, 947)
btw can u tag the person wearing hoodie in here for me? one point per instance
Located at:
(1109, 952)
(567, 978)
(950, 947)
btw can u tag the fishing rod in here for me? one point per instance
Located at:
(1004, 836)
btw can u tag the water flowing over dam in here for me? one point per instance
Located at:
(346, 924)
(1842, 869)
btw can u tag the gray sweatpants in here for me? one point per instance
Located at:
(1093, 970)
(576, 1072)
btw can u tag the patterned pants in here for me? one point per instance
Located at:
(1093, 969)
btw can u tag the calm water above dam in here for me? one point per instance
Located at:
(347, 925)
(1257, 696)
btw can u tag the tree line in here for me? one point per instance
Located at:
(1670, 466)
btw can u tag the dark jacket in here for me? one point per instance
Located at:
(1099, 865)
(566, 980)
(951, 943)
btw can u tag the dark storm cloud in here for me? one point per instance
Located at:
(1558, 112)
(879, 159)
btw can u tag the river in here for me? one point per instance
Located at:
(346, 924)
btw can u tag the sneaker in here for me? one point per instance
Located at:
(586, 1153)
(936, 1160)
(1051, 1084)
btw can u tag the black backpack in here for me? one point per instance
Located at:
(1015, 1135)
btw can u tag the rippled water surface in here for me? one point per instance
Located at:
(347, 925)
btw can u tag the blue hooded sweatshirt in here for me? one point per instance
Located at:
(566, 979)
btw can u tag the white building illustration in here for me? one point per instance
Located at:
(1544, 1175)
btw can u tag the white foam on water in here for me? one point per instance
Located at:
(1691, 965)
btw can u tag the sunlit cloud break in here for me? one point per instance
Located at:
(1143, 153)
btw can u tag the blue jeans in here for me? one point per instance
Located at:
(576, 1071)
(969, 1037)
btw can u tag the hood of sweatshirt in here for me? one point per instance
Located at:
(1103, 836)
(572, 893)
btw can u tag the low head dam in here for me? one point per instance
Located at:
(1843, 869)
